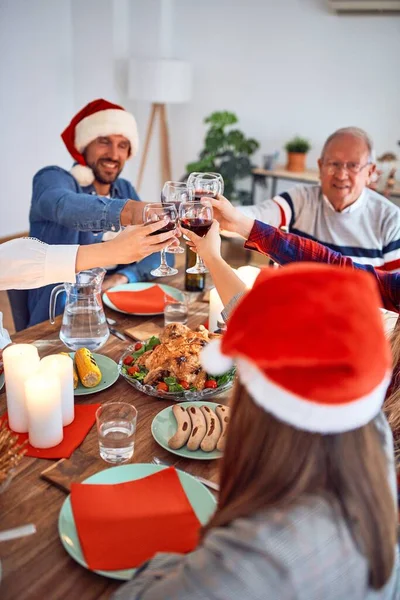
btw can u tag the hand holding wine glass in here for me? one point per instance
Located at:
(155, 212)
(196, 217)
(175, 192)
(202, 185)
(207, 247)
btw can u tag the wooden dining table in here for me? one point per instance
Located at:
(38, 567)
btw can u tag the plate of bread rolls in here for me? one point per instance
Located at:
(92, 372)
(192, 429)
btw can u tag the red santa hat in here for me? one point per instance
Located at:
(98, 118)
(309, 346)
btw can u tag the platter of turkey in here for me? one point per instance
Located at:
(169, 366)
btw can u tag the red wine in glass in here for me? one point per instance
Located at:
(199, 195)
(168, 227)
(199, 226)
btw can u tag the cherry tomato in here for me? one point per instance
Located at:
(133, 370)
(162, 387)
(210, 383)
(138, 346)
(184, 384)
(128, 360)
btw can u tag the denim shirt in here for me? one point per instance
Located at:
(63, 212)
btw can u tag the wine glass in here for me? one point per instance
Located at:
(197, 217)
(175, 192)
(155, 211)
(205, 184)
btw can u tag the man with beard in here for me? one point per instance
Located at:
(79, 206)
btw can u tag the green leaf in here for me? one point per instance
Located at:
(152, 343)
(173, 385)
(139, 376)
(138, 352)
(298, 144)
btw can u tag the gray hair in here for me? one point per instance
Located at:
(357, 133)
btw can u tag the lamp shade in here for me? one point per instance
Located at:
(160, 81)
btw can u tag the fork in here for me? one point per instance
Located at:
(207, 482)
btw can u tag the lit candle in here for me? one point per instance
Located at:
(248, 275)
(216, 307)
(20, 361)
(43, 405)
(62, 366)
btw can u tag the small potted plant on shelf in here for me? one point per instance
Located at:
(297, 149)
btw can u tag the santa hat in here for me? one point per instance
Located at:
(309, 346)
(98, 118)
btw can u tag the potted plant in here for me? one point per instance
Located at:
(226, 151)
(297, 149)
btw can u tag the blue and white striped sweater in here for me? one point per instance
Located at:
(368, 231)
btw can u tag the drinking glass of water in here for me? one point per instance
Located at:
(116, 428)
(176, 310)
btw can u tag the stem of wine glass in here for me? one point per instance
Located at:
(163, 261)
(200, 263)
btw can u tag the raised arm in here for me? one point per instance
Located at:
(27, 263)
(285, 248)
(55, 198)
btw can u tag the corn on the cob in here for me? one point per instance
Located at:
(76, 380)
(88, 371)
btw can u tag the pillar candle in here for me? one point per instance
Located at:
(62, 367)
(43, 405)
(20, 361)
(215, 310)
(248, 275)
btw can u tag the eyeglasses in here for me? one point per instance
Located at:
(351, 167)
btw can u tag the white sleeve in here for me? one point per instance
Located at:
(27, 263)
(277, 212)
(4, 336)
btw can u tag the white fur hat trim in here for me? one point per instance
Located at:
(111, 121)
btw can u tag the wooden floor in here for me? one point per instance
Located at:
(233, 252)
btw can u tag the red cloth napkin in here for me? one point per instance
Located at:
(122, 525)
(74, 434)
(151, 300)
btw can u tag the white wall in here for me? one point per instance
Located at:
(36, 98)
(284, 66)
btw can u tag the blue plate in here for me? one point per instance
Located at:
(138, 287)
(202, 501)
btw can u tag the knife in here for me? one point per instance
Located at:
(119, 335)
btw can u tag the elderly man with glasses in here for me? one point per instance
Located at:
(342, 212)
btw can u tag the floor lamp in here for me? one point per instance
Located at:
(160, 82)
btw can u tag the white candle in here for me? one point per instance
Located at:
(248, 275)
(43, 404)
(216, 307)
(62, 367)
(20, 361)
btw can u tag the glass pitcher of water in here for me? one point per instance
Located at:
(84, 322)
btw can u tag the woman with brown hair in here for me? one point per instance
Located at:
(306, 507)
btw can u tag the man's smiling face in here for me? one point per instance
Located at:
(341, 183)
(106, 156)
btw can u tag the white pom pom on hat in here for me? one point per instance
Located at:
(83, 175)
(213, 361)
